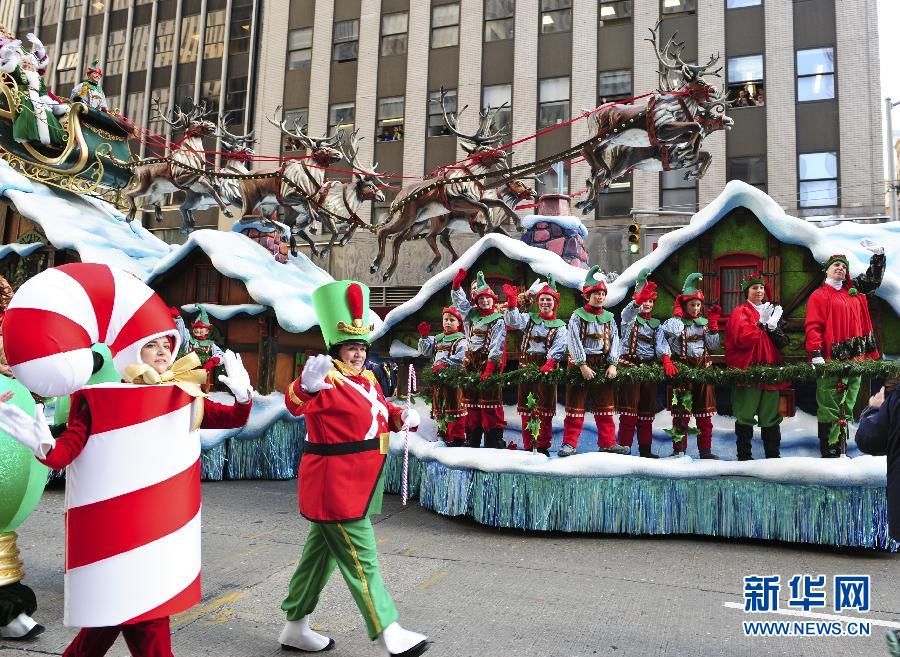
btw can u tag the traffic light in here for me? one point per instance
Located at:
(634, 237)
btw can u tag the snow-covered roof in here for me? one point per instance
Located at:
(225, 312)
(19, 249)
(541, 261)
(563, 221)
(823, 242)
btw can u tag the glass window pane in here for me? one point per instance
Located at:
(343, 113)
(553, 89)
(614, 9)
(301, 38)
(556, 21)
(752, 170)
(675, 180)
(190, 39)
(394, 23)
(745, 69)
(444, 37)
(436, 125)
(298, 59)
(214, 46)
(815, 87)
(393, 45)
(735, 4)
(499, 30)
(820, 193)
(553, 113)
(814, 61)
(346, 52)
(611, 84)
(443, 15)
(499, 9)
(165, 38)
(548, 5)
(346, 31)
(818, 165)
(496, 95)
(682, 200)
(390, 107)
(676, 6)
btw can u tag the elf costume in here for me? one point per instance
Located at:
(637, 401)
(486, 355)
(89, 91)
(544, 345)
(198, 342)
(593, 341)
(754, 336)
(447, 402)
(348, 423)
(838, 327)
(689, 339)
(132, 450)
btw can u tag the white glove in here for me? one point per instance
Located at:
(236, 377)
(772, 322)
(537, 285)
(32, 432)
(818, 360)
(410, 417)
(874, 247)
(765, 312)
(312, 379)
(37, 46)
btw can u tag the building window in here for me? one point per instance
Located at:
(499, 21)
(139, 40)
(390, 119)
(613, 10)
(346, 41)
(818, 180)
(676, 193)
(115, 52)
(436, 125)
(616, 202)
(752, 170)
(68, 60)
(155, 121)
(554, 102)
(295, 118)
(678, 6)
(208, 280)
(815, 74)
(50, 12)
(393, 33)
(445, 26)
(73, 10)
(190, 39)
(731, 270)
(165, 41)
(241, 26)
(495, 96)
(184, 95)
(299, 48)
(548, 183)
(26, 15)
(134, 107)
(236, 99)
(93, 49)
(341, 116)
(613, 85)
(745, 81)
(737, 4)
(556, 16)
(214, 41)
(210, 92)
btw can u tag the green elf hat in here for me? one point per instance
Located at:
(840, 257)
(95, 67)
(550, 289)
(482, 288)
(343, 311)
(691, 290)
(593, 282)
(642, 278)
(202, 320)
(752, 279)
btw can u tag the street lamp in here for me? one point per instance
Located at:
(892, 182)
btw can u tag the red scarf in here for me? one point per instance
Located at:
(592, 310)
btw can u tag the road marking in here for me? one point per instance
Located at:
(812, 614)
(431, 581)
(266, 533)
(255, 548)
(212, 606)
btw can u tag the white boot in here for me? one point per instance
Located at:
(22, 626)
(297, 635)
(402, 643)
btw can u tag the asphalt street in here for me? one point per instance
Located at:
(477, 591)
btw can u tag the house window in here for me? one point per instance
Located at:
(445, 26)
(299, 48)
(554, 102)
(499, 21)
(737, 4)
(731, 270)
(393, 33)
(208, 280)
(815, 74)
(818, 180)
(613, 10)
(341, 116)
(752, 170)
(346, 41)
(745, 80)
(436, 125)
(678, 6)
(613, 85)
(495, 96)
(676, 193)
(556, 16)
(390, 119)
(295, 118)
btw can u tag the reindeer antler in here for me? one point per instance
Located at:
(247, 140)
(180, 120)
(350, 154)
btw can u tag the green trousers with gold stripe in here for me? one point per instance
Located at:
(351, 547)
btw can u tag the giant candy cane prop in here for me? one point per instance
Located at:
(410, 389)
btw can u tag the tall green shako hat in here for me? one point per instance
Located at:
(342, 308)
(690, 291)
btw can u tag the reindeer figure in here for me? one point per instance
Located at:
(417, 203)
(306, 174)
(155, 181)
(239, 151)
(664, 133)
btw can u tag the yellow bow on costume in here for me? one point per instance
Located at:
(184, 373)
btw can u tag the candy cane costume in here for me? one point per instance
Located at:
(132, 451)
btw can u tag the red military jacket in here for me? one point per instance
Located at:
(347, 431)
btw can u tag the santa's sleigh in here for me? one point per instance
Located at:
(85, 162)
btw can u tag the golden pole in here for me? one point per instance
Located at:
(11, 569)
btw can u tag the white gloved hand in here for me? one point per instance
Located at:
(765, 312)
(874, 247)
(818, 360)
(537, 285)
(772, 322)
(236, 377)
(32, 432)
(37, 46)
(410, 417)
(312, 379)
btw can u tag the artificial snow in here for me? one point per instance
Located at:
(567, 222)
(225, 312)
(400, 350)
(20, 250)
(266, 411)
